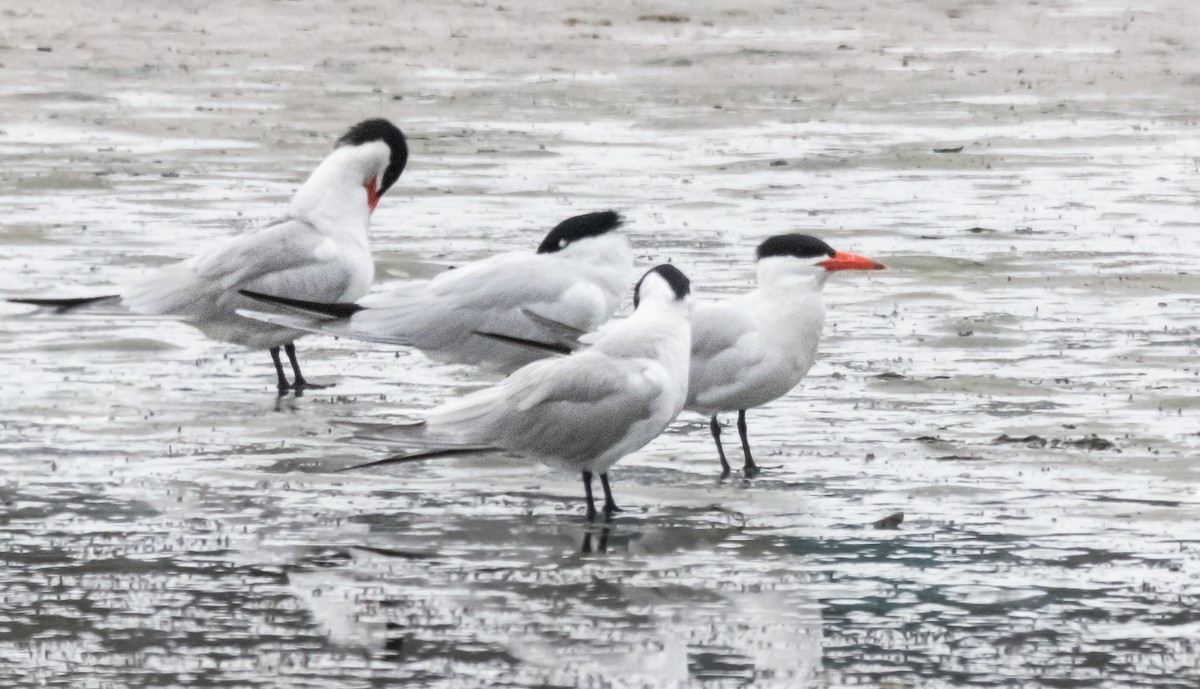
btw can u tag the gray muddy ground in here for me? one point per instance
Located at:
(1021, 384)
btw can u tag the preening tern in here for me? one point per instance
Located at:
(316, 250)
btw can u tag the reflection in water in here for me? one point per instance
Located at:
(601, 545)
(576, 617)
(92, 575)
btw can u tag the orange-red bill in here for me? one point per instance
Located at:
(372, 194)
(845, 261)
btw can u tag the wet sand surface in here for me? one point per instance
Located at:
(1020, 385)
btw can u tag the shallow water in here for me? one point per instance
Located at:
(1020, 384)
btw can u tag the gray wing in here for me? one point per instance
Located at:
(288, 257)
(489, 295)
(562, 411)
(725, 345)
(496, 296)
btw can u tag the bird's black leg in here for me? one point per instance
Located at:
(716, 433)
(610, 506)
(587, 490)
(751, 469)
(283, 382)
(299, 383)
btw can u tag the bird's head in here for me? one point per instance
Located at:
(377, 149)
(662, 284)
(801, 255)
(577, 229)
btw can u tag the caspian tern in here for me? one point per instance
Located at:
(584, 412)
(573, 283)
(754, 348)
(317, 250)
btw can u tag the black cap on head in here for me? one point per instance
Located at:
(796, 245)
(380, 129)
(579, 227)
(680, 284)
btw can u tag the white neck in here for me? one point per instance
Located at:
(655, 329)
(787, 275)
(609, 259)
(656, 310)
(334, 199)
(610, 248)
(789, 310)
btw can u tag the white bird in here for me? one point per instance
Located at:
(584, 412)
(754, 348)
(317, 250)
(574, 282)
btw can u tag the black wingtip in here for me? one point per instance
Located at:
(569, 331)
(334, 310)
(419, 457)
(555, 347)
(64, 305)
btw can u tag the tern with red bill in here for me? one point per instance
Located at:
(751, 349)
(317, 250)
(754, 348)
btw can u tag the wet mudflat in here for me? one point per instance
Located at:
(1021, 384)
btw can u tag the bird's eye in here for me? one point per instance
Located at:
(562, 243)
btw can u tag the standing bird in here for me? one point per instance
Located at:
(573, 283)
(317, 250)
(756, 347)
(585, 412)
